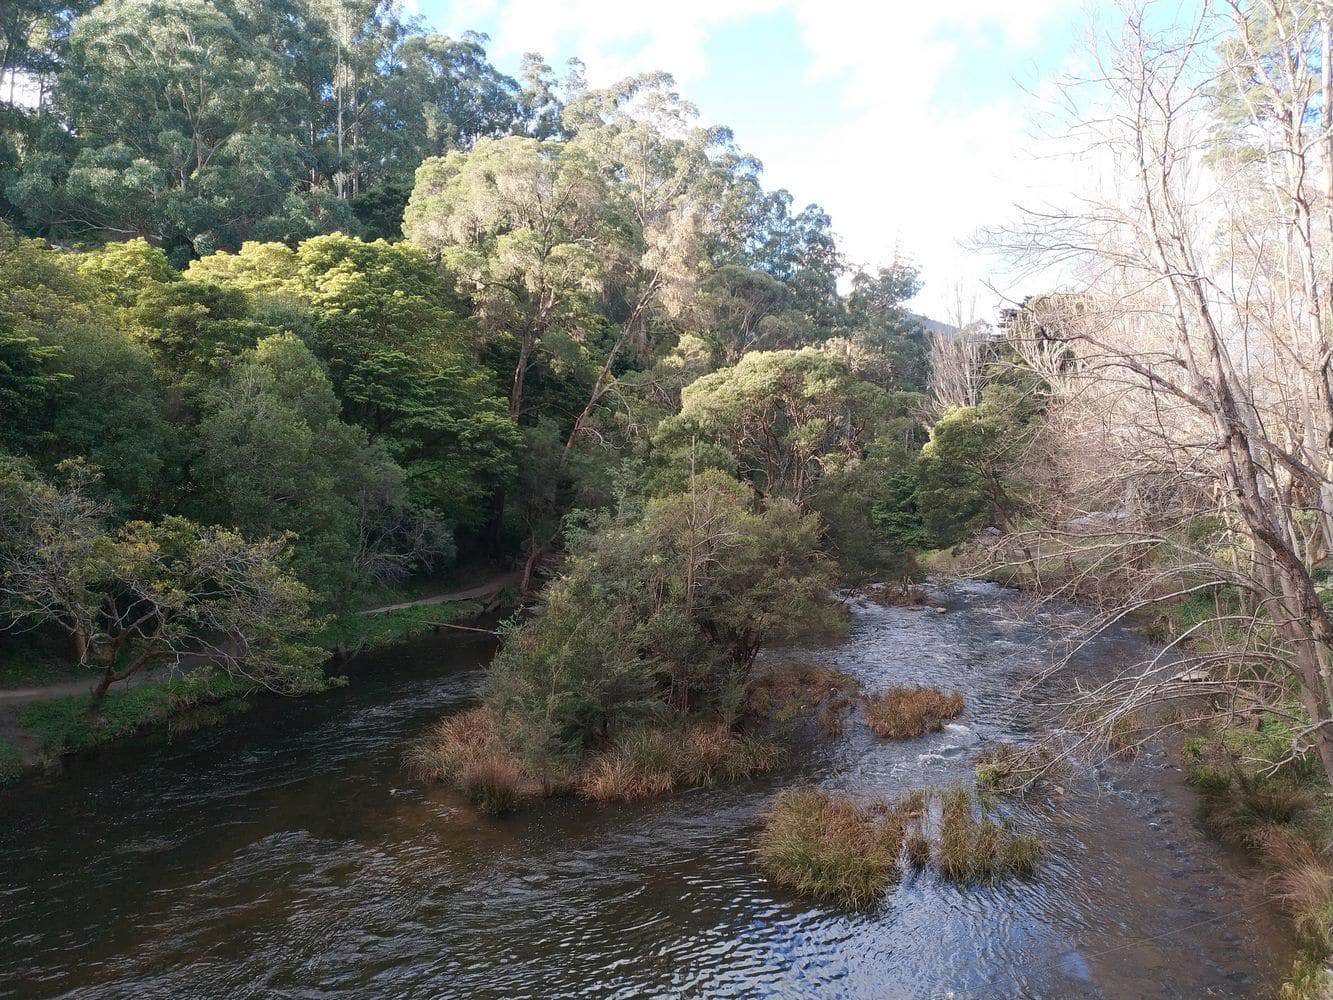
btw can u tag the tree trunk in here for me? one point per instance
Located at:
(99, 692)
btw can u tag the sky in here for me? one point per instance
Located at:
(911, 123)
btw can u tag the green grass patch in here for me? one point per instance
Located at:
(357, 631)
(65, 724)
(832, 847)
(11, 761)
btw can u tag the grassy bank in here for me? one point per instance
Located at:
(1259, 797)
(175, 705)
(62, 725)
(355, 632)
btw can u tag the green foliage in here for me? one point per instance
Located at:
(379, 320)
(149, 594)
(278, 459)
(660, 609)
(783, 415)
(963, 473)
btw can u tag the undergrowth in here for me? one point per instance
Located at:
(469, 753)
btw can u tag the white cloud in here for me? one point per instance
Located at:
(894, 167)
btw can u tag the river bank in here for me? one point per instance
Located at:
(286, 851)
(39, 722)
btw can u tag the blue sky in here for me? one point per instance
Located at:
(909, 122)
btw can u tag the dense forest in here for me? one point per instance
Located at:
(301, 302)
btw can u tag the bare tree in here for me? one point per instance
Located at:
(1187, 448)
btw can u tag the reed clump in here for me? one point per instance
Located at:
(974, 848)
(832, 847)
(903, 713)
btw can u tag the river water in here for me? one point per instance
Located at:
(285, 854)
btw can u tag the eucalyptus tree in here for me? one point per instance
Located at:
(183, 123)
(522, 226)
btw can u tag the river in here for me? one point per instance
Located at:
(285, 854)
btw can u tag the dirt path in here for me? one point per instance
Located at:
(480, 592)
(83, 685)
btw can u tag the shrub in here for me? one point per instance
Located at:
(831, 847)
(902, 713)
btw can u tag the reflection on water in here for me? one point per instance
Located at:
(285, 854)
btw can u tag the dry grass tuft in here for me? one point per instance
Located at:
(903, 713)
(466, 751)
(644, 762)
(831, 847)
(1302, 882)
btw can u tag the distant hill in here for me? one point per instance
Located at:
(933, 325)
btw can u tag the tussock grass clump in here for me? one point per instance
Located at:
(831, 847)
(1302, 882)
(644, 762)
(834, 847)
(466, 751)
(903, 713)
(918, 849)
(1208, 779)
(1243, 811)
(972, 849)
